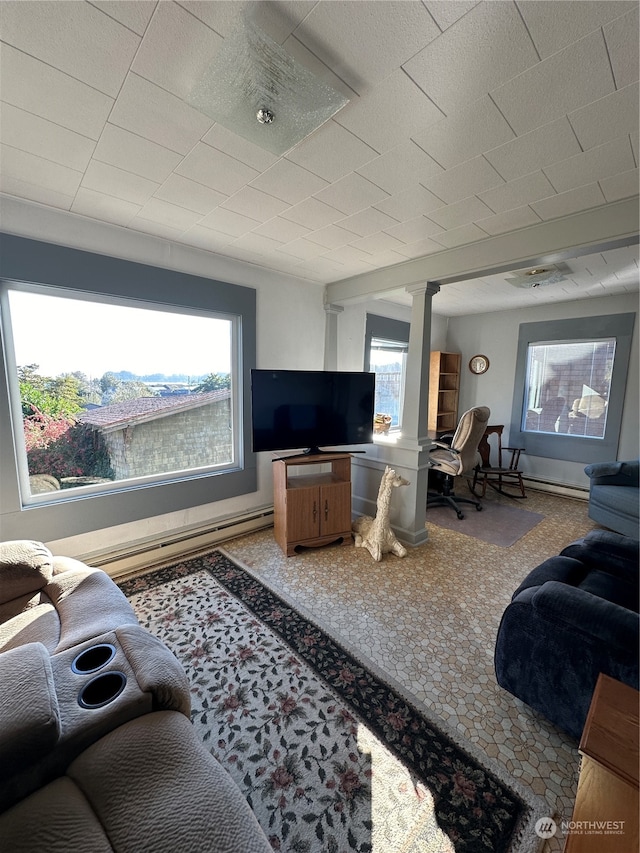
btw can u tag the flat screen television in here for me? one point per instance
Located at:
(310, 409)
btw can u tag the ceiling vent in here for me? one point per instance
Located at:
(536, 277)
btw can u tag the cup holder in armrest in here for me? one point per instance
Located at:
(102, 689)
(93, 658)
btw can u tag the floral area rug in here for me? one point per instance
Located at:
(329, 756)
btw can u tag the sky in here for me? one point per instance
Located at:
(66, 335)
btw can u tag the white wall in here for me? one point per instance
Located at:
(290, 334)
(496, 336)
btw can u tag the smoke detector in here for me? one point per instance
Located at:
(536, 277)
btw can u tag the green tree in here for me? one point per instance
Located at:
(57, 397)
(214, 382)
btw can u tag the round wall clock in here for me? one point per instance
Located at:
(479, 364)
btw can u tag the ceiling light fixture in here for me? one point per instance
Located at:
(253, 77)
(536, 277)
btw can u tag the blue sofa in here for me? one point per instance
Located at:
(573, 617)
(614, 496)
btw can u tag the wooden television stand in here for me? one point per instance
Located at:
(312, 509)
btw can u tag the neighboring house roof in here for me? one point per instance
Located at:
(144, 409)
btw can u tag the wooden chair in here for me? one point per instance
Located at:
(499, 476)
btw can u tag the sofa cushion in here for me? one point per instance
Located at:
(25, 567)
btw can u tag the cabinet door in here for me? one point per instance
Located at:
(335, 508)
(303, 513)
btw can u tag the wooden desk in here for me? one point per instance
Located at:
(608, 784)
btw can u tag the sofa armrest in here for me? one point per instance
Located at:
(25, 567)
(614, 473)
(613, 552)
(29, 714)
(587, 616)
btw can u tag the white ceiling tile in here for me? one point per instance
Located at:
(462, 181)
(389, 112)
(565, 81)
(281, 230)
(332, 237)
(288, 181)
(31, 169)
(367, 41)
(460, 236)
(256, 204)
(607, 117)
(511, 220)
(109, 180)
(33, 192)
(75, 38)
(401, 168)
(350, 255)
(44, 138)
(388, 258)
(367, 222)
(465, 134)
(214, 169)
(302, 248)
(409, 203)
(134, 154)
(312, 214)
(157, 210)
(419, 248)
(37, 88)
(517, 192)
(623, 185)
(603, 161)
(378, 242)
(277, 23)
(205, 238)
(635, 144)
(228, 222)
(149, 111)
(331, 152)
(483, 49)
(463, 211)
(99, 206)
(622, 40)
(134, 14)
(413, 229)
(176, 50)
(569, 202)
(256, 243)
(528, 153)
(225, 140)
(351, 194)
(447, 12)
(555, 25)
(189, 194)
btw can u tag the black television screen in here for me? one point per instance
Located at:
(309, 409)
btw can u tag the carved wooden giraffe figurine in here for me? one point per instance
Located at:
(375, 534)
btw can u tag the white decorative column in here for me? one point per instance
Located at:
(331, 335)
(409, 454)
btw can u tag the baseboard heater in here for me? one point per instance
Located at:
(147, 553)
(557, 488)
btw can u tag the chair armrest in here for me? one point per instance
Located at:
(613, 552)
(614, 473)
(25, 567)
(444, 446)
(29, 713)
(588, 617)
(515, 456)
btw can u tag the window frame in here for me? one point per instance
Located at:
(34, 264)
(574, 448)
(387, 329)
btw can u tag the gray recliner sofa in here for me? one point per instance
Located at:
(97, 751)
(614, 495)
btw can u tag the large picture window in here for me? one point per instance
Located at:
(570, 387)
(126, 394)
(124, 390)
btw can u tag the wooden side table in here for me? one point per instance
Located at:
(605, 816)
